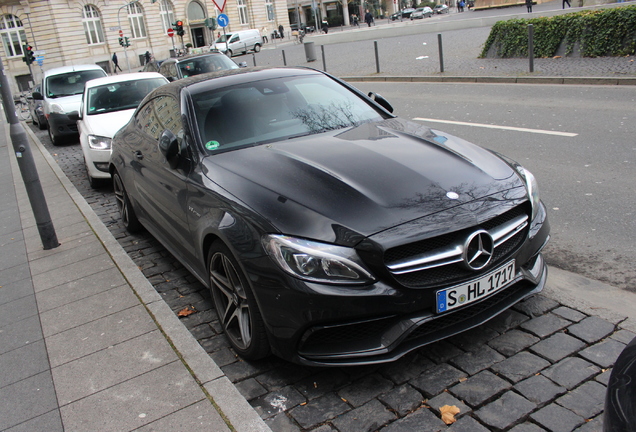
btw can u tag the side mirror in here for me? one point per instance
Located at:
(74, 115)
(169, 147)
(37, 96)
(381, 101)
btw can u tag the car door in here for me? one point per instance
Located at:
(161, 189)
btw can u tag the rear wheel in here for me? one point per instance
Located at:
(55, 140)
(128, 216)
(229, 53)
(235, 304)
(257, 48)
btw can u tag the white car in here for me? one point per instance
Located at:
(108, 104)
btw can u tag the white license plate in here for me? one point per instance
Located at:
(461, 295)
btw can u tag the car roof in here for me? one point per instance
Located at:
(191, 56)
(73, 68)
(135, 76)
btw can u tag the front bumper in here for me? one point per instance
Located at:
(61, 126)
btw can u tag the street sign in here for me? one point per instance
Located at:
(40, 60)
(121, 33)
(170, 32)
(223, 20)
(39, 52)
(220, 4)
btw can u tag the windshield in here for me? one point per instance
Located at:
(120, 96)
(275, 109)
(205, 64)
(71, 83)
(223, 38)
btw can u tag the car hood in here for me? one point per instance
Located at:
(107, 124)
(68, 103)
(359, 181)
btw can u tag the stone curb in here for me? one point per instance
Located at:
(496, 80)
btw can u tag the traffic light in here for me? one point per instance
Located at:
(121, 41)
(126, 43)
(30, 55)
(178, 26)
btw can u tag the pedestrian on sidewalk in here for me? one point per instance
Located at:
(529, 5)
(564, 2)
(116, 63)
(368, 18)
(280, 31)
(325, 27)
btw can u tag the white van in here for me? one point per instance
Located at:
(61, 93)
(240, 41)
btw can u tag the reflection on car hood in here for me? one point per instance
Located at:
(107, 124)
(361, 180)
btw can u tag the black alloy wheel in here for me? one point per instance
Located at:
(235, 304)
(128, 216)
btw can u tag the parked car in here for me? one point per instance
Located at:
(61, 93)
(35, 108)
(423, 12)
(241, 41)
(184, 67)
(440, 9)
(619, 414)
(329, 231)
(396, 16)
(152, 66)
(406, 13)
(108, 104)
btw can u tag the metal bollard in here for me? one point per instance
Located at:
(531, 46)
(284, 59)
(441, 52)
(377, 57)
(324, 63)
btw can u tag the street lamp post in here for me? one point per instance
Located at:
(119, 24)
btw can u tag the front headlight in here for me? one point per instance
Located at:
(56, 109)
(530, 182)
(316, 262)
(96, 142)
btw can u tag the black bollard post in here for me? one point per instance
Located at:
(531, 46)
(28, 170)
(254, 59)
(284, 59)
(324, 63)
(441, 52)
(377, 57)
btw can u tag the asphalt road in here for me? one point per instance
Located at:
(587, 181)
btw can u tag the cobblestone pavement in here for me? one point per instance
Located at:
(540, 366)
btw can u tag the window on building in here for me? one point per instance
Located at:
(167, 14)
(269, 5)
(13, 35)
(92, 25)
(136, 21)
(242, 11)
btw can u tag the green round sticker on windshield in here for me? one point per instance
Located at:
(212, 145)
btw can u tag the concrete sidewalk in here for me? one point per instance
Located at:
(86, 343)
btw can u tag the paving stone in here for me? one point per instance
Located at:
(557, 346)
(569, 314)
(405, 369)
(467, 424)
(420, 420)
(323, 428)
(539, 389)
(527, 427)
(441, 352)
(365, 389)
(591, 329)
(223, 357)
(277, 401)
(367, 418)
(505, 411)
(604, 377)
(513, 342)
(545, 325)
(507, 320)
(282, 423)
(479, 388)
(403, 399)
(536, 305)
(325, 407)
(623, 336)
(477, 360)
(321, 383)
(586, 400)
(557, 419)
(571, 372)
(250, 389)
(437, 379)
(603, 353)
(473, 339)
(242, 370)
(445, 398)
(520, 366)
(282, 374)
(594, 425)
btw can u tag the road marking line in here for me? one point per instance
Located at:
(539, 131)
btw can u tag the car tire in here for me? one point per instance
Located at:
(229, 53)
(257, 48)
(235, 304)
(127, 213)
(54, 140)
(41, 125)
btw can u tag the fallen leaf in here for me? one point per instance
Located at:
(556, 57)
(463, 379)
(448, 413)
(186, 311)
(344, 400)
(303, 404)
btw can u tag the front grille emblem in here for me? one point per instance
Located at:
(478, 250)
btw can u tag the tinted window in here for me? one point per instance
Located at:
(274, 109)
(199, 65)
(71, 83)
(159, 114)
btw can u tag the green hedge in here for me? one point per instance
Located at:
(605, 32)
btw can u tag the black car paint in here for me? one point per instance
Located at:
(235, 197)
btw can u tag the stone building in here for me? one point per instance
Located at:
(67, 32)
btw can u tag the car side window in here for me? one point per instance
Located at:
(161, 113)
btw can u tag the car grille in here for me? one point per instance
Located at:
(438, 260)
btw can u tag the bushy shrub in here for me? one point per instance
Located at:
(605, 32)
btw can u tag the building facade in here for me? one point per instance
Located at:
(68, 32)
